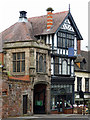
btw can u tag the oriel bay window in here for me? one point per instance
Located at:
(65, 40)
(40, 62)
(19, 62)
(61, 66)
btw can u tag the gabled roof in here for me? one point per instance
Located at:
(40, 23)
(23, 31)
(79, 37)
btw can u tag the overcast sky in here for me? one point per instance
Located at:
(9, 12)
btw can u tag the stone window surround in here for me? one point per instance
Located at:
(19, 60)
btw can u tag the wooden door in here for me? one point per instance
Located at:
(24, 104)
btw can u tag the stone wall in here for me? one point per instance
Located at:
(1, 58)
(13, 99)
(0, 93)
(18, 84)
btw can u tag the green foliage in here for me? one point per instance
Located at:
(8, 73)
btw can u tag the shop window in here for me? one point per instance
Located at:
(79, 83)
(18, 62)
(86, 84)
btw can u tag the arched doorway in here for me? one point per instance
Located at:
(39, 99)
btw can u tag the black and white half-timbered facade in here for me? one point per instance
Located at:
(64, 51)
(62, 34)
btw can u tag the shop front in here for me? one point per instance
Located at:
(62, 97)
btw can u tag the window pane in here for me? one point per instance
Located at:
(59, 69)
(44, 66)
(41, 64)
(23, 55)
(44, 57)
(56, 60)
(59, 42)
(14, 66)
(59, 34)
(68, 70)
(70, 43)
(18, 56)
(36, 66)
(64, 35)
(64, 67)
(67, 88)
(56, 69)
(37, 56)
(18, 66)
(63, 42)
(14, 56)
(79, 84)
(70, 88)
(67, 43)
(23, 66)
(44, 63)
(87, 84)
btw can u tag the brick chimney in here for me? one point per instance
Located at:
(23, 17)
(78, 47)
(49, 17)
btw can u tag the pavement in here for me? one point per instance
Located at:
(52, 117)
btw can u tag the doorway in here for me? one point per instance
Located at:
(39, 98)
(60, 103)
(25, 104)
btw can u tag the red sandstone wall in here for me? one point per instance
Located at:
(13, 101)
(1, 58)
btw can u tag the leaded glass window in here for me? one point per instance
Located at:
(65, 40)
(40, 62)
(62, 66)
(18, 62)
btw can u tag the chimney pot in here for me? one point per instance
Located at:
(23, 17)
(49, 17)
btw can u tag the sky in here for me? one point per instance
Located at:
(9, 12)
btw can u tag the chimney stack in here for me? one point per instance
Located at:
(23, 17)
(49, 17)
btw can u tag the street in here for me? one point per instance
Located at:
(53, 117)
